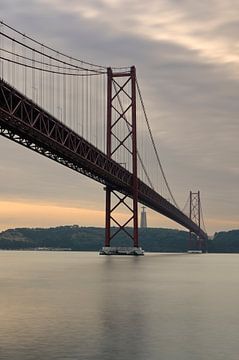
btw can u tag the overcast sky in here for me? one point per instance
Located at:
(187, 59)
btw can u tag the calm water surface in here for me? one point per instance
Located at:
(68, 305)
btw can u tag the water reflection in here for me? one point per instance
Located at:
(122, 309)
(85, 306)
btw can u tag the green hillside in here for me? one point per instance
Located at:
(92, 239)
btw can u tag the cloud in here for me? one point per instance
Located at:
(196, 27)
(187, 64)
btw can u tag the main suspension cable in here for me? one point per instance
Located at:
(46, 70)
(138, 154)
(154, 146)
(33, 60)
(48, 56)
(50, 48)
(186, 204)
(202, 218)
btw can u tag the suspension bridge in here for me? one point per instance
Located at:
(92, 119)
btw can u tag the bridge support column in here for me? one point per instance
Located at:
(195, 243)
(122, 147)
(190, 242)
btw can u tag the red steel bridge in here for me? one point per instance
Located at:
(93, 120)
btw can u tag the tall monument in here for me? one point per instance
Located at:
(143, 222)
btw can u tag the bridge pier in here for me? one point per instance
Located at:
(196, 244)
(121, 113)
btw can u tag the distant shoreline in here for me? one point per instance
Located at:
(76, 238)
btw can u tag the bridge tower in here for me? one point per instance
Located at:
(195, 242)
(121, 113)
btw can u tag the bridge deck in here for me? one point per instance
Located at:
(24, 122)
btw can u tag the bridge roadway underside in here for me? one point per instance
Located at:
(24, 122)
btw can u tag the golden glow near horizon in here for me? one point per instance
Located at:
(21, 214)
(17, 214)
(187, 56)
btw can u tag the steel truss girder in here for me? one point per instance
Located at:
(24, 122)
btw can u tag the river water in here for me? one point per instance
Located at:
(72, 305)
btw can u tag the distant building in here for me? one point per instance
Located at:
(143, 222)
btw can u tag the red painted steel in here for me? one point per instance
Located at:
(195, 215)
(108, 152)
(130, 120)
(24, 122)
(134, 156)
(190, 244)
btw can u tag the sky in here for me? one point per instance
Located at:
(187, 59)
